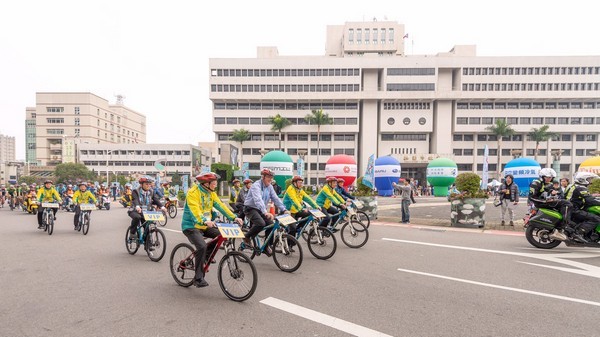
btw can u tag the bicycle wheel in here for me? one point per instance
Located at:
(132, 245)
(45, 220)
(321, 244)
(287, 254)
(172, 211)
(156, 244)
(363, 218)
(163, 223)
(85, 226)
(354, 234)
(182, 264)
(306, 230)
(237, 276)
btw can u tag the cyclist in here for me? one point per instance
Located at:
(92, 188)
(198, 219)
(234, 191)
(255, 205)
(2, 195)
(294, 199)
(168, 191)
(341, 191)
(543, 195)
(12, 193)
(68, 195)
(82, 196)
(238, 207)
(330, 200)
(142, 199)
(579, 195)
(126, 197)
(47, 193)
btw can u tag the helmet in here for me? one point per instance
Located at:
(297, 178)
(236, 180)
(69, 186)
(547, 172)
(341, 180)
(584, 178)
(24, 184)
(81, 183)
(207, 177)
(127, 185)
(142, 180)
(166, 183)
(248, 181)
(47, 181)
(266, 172)
(330, 179)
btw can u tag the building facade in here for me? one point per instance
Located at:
(145, 159)
(413, 107)
(8, 165)
(61, 121)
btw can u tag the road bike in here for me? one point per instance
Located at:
(171, 206)
(236, 272)
(286, 251)
(353, 233)
(321, 242)
(152, 238)
(48, 216)
(83, 224)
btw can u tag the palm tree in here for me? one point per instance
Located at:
(540, 135)
(240, 136)
(500, 129)
(279, 123)
(318, 118)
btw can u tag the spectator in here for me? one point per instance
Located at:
(114, 191)
(564, 183)
(406, 192)
(509, 195)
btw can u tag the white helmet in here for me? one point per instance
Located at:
(547, 172)
(584, 178)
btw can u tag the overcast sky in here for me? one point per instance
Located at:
(156, 53)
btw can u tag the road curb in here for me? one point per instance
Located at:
(448, 228)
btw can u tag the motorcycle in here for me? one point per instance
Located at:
(126, 201)
(31, 206)
(540, 223)
(68, 204)
(104, 201)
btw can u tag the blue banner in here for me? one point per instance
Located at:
(246, 170)
(485, 173)
(300, 167)
(184, 182)
(369, 173)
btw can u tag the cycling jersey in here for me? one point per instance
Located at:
(328, 197)
(83, 198)
(48, 195)
(198, 208)
(294, 197)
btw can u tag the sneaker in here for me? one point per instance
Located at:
(248, 242)
(558, 235)
(201, 283)
(511, 223)
(502, 223)
(40, 226)
(268, 251)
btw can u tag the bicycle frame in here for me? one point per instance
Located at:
(275, 228)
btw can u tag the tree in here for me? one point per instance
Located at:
(500, 129)
(540, 135)
(318, 118)
(240, 136)
(71, 172)
(279, 123)
(176, 180)
(28, 180)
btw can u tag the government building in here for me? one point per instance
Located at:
(413, 107)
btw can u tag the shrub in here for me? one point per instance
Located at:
(595, 186)
(469, 186)
(363, 190)
(181, 195)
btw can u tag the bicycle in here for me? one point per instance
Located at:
(183, 269)
(279, 242)
(359, 215)
(48, 216)
(148, 235)
(85, 213)
(171, 208)
(351, 230)
(317, 237)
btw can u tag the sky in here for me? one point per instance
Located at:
(156, 53)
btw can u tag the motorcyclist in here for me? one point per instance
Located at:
(579, 195)
(543, 195)
(126, 197)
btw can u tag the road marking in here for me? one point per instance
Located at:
(315, 316)
(171, 230)
(536, 293)
(560, 258)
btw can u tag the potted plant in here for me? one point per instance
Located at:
(467, 207)
(180, 198)
(367, 196)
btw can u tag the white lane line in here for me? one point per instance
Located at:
(171, 230)
(559, 297)
(315, 316)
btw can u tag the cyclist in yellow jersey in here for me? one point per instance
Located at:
(47, 193)
(330, 200)
(82, 196)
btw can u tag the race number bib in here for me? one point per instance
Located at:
(285, 219)
(317, 213)
(87, 207)
(49, 205)
(154, 216)
(230, 230)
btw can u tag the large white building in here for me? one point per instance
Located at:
(8, 165)
(414, 107)
(60, 121)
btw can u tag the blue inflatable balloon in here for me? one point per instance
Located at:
(387, 171)
(525, 170)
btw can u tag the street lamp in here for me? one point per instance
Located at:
(107, 176)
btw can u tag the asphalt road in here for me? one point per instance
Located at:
(430, 281)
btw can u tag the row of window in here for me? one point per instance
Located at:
(313, 166)
(55, 120)
(135, 152)
(133, 163)
(286, 106)
(492, 167)
(284, 72)
(533, 71)
(267, 121)
(410, 87)
(293, 137)
(561, 137)
(528, 152)
(378, 34)
(54, 109)
(411, 71)
(530, 86)
(284, 87)
(528, 120)
(527, 105)
(55, 131)
(407, 106)
(403, 137)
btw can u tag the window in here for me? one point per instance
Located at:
(55, 109)
(512, 120)
(588, 120)
(537, 120)
(458, 138)
(565, 138)
(563, 120)
(467, 152)
(550, 120)
(77, 110)
(55, 131)
(219, 120)
(487, 120)
(575, 120)
(579, 152)
(55, 120)
(474, 120)
(461, 120)
(457, 152)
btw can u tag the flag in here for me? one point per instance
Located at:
(369, 173)
(300, 167)
(485, 173)
(246, 170)
(405, 36)
(184, 182)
